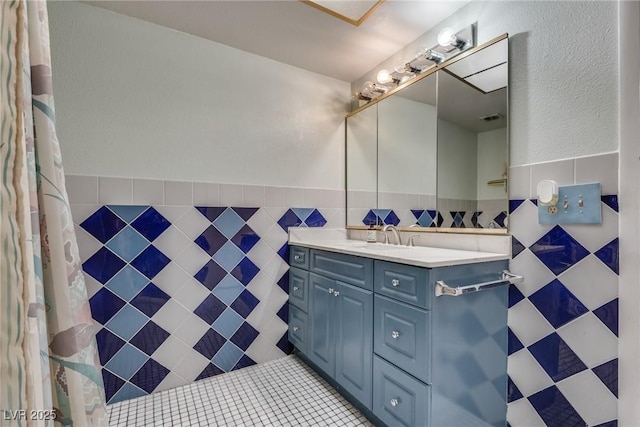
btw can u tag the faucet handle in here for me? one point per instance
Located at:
(410, 242)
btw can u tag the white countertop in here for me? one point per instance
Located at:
(336, 240)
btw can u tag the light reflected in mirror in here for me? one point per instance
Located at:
(473, 140)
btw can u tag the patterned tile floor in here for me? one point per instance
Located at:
(283, 392)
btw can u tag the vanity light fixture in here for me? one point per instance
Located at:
(370, 90)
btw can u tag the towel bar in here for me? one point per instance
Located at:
(508, 278)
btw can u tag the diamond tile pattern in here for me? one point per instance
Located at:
(564, 403)
(137, 353)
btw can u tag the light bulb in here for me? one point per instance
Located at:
(367, 87)
(404, 79)
(446, 37)
(384, 76)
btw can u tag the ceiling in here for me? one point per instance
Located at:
(294, 33)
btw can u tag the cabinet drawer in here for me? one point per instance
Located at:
(402, 336)
(298, 328)
(299, 288)
(299, 257)
(403, 282)
(398, 398)
(346, 268)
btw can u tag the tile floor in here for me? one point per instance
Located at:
(283, 392)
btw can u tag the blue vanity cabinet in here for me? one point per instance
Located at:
(339, 319)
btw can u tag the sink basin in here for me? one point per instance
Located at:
(375, 247)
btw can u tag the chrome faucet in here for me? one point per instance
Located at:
(394, 230)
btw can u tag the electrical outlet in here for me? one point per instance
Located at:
(577, 204)
(552, 210)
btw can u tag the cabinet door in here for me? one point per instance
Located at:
(321, 348)
(354, 343)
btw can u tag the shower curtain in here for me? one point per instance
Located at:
(49, 370)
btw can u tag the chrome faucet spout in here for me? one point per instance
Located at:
(396, 236)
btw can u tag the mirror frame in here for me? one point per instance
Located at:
(426, 73)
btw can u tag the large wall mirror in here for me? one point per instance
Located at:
(434, 154)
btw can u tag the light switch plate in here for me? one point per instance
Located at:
(568, 209)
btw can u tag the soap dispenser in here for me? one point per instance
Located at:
(372, 234)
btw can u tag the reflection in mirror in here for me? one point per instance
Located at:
(407, 147)
(361, 159)
(473, 140)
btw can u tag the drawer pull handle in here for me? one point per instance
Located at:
(395, 283)
(330, 290)
(394, 402)
(336, 293)
(299, 258)
(295, 329)
(295, 288)
(395, 335)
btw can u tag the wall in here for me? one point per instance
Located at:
(132, 96)
(186, 163)
(551, 115)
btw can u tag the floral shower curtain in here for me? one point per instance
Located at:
(49, 370)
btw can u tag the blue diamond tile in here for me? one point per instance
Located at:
(127, 361)
(474, 219)
(284, 344)
(608, 374)
(245, 303)
(513, 343)
(244, 336)
(211, 240)
(439, 220)
(227, 323)
(558, 250)
(228, 256)
(515, 296)
(457, 218)
(611, 201)
(210, 371)
(210, 343)
(210, 309)
(103, 224)
(608, 314)
(426, 219)
(283, 313)
(128, 392)
(108, 345)
(557, 304)
(516, 247)
(228, 289)
(244, 362)
(392, 218)
(515, 204)
(289, 219)
(210, 213)
(245, 239)
(612, 423)
(127, 283)
(127, 322)
(370, 218)
(609, 254)
(554, 409)
(150, 262)
(210, 275)
(229, 223)
(556, 357)
(103, 265)
(149, 376)
(513, 393)
(245, 213)
(381, 214)
(534, 201)
(150, 300)
(284, 282)
(104, 305)
(284, 252)
(127, 212)
(500, 219)
(112, 383)
(227, 356)
(151, 224)
(302, 213)
(315, 219)
(245, 271)
(127, 244)
(149, 338)
(417, 213)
